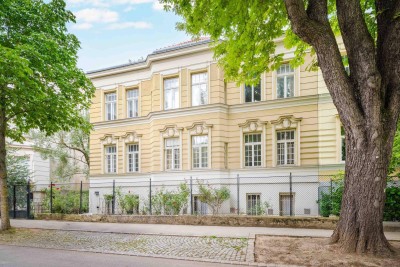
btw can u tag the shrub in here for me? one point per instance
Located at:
(66, 201)
(213, 197)
(170, 202)
(129, 203)
(330, 203)
(392, 204)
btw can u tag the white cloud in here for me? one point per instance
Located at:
(129, 8)
(158, 6)
(132, 24)
(90, 15)
(82, 26)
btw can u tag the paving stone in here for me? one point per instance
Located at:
(206, 248)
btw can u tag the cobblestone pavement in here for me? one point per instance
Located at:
(208, 247)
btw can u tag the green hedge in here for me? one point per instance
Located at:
(330, 202)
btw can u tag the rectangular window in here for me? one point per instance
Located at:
(200, 151)
(199, 89)
(199, 208)
(285, 147)
(252, 150)
(285, 81)
(171, 93)
(133, 158)
(111, 106)
(342, 143)
(252, 93)
(111, 159)
(172, 154)
(132, 101)
(254, 204)
(286, 204)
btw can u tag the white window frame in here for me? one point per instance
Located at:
(253, 145)
(110, 106)
(132, 155)
(175, 148)
(252, 92)
(197, 85)
(110, 159)
(174, 105)
(285, 143)
(250, 208)
(134, 101)
(285, 75)
(202, 163)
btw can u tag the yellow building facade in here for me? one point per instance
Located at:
(174, 116)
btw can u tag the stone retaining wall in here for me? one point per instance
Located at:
(231, 220)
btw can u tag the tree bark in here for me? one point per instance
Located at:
(360, 227)
(4, 210)
(368, 103)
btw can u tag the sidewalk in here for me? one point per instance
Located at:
(178, 230)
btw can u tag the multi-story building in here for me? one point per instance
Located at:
(174, 116)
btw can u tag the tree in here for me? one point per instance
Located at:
(213, 197)
(367, 99)
(70, 150)
(40, 85)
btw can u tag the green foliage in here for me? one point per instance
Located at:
(129, 203)
(213, 197)
(330, 203)
(394, 167)
(170, 202)
(392, 204)
(69, 150)
(244, 33)
(41, 86)
(259, 209)
(66, 201)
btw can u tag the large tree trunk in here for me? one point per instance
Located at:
(360, 226)
(368, 103)
(5, 219)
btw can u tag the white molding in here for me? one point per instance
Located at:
(253, 126)
(206, 109)
(287, 123)
(196, 129)
(170, 131)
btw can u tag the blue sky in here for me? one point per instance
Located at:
(112, 32)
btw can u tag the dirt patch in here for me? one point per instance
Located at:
(307, 251)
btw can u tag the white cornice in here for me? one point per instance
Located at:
(215, 108)
(150, 59)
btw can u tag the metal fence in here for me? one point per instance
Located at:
(291, 195)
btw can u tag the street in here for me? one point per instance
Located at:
(15, 256)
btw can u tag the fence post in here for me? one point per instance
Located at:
(28, 200)
(290, 194)
(14, 201)
(113, 199)
(51, 197)
(238, 193)
(150, 198)
(80, 200)
(191, 195)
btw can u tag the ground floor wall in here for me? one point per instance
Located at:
(267, 191)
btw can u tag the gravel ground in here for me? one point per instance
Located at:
(208, 247)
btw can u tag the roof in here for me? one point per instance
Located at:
(182, 45)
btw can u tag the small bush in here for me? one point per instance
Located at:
(213, 197)
(66, 201)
